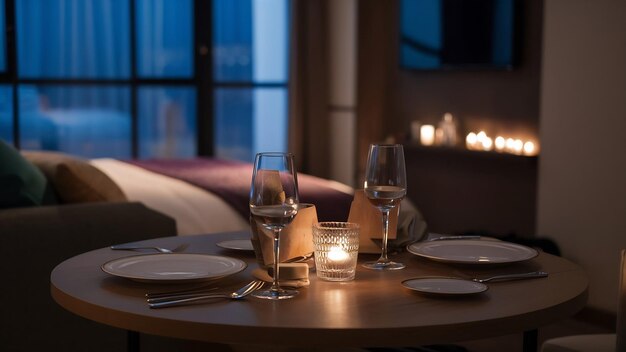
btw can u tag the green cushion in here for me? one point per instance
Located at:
(21, 183)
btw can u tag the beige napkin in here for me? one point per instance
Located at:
(295, 240)
(406, 224)
(269, 182)
(370, 221)
(291, 274)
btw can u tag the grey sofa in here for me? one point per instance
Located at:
(33, 240)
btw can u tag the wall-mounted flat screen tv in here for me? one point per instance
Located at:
(457, 34)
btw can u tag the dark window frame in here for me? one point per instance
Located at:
(202, 79)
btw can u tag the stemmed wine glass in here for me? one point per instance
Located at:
(385, 186)
(274, 204)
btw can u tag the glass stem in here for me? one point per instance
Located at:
(275, 287)
(383, 255)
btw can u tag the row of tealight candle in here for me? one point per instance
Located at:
(480, 141)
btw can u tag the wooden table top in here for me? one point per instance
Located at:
(373, 310)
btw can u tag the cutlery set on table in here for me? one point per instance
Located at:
(473, 252)
(171, 266)
(274, 204)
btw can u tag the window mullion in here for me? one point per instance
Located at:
(203, 72)
(11, 52)
(134, 129)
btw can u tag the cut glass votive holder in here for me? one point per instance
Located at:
(336, 250)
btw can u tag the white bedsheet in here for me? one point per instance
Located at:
(195, 210)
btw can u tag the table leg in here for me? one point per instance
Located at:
(530, 340)
(132, 341)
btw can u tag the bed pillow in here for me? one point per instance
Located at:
(74, 179)
(21, 183)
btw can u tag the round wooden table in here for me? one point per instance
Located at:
(373, 310)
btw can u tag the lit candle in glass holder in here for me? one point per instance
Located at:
(510, 145)
(518, 146)
(480, 136)
(336, 249)
(470, 140)
(486, 143)
(500, 143)
(427, 134)
(529, 148)
(337, 255)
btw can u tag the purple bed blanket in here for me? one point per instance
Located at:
(230, 180)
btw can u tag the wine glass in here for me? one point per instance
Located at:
(385, 186)
(273, 205)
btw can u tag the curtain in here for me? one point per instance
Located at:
(308, 89)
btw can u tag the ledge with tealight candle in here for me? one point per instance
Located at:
(427, 135)
(482, 142)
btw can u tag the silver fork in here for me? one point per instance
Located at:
(534, 274)
(123, 247)
(165, 302)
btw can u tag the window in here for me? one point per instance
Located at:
(121, 78)
(250, 70)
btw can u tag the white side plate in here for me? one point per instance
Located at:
(238, 245)
(473, 251)
(444, 286)
(173, 268)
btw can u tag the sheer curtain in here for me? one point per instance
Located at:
(308, 94)
(84, 44)
(73, 39)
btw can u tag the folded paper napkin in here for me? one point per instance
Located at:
(296, 239)
(406, 224)
(291, 274)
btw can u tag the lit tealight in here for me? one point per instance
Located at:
(487, 143)
(481, 136)
(427, 134)
(529, 148)
(500, 143)
(510, 144)
(470, 140)
(518, 146)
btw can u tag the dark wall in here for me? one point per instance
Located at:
(389, 97)
(444, 184)
(498, 101)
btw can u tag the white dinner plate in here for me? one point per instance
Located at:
(444, 286)
(239, 245)
(472, 251)
(173, 268)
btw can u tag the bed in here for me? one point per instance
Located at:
(203, 195)
(178, 188)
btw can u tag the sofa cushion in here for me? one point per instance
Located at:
(21, 183)
(74, 179)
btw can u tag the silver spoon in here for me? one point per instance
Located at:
(531, 275)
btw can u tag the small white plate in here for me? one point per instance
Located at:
(444, 286)
(472, 251)
(238, 245)
(173, 268)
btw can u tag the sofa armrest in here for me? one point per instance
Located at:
(33, 241)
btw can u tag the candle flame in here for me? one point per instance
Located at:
(337, 254)
(529, 148)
